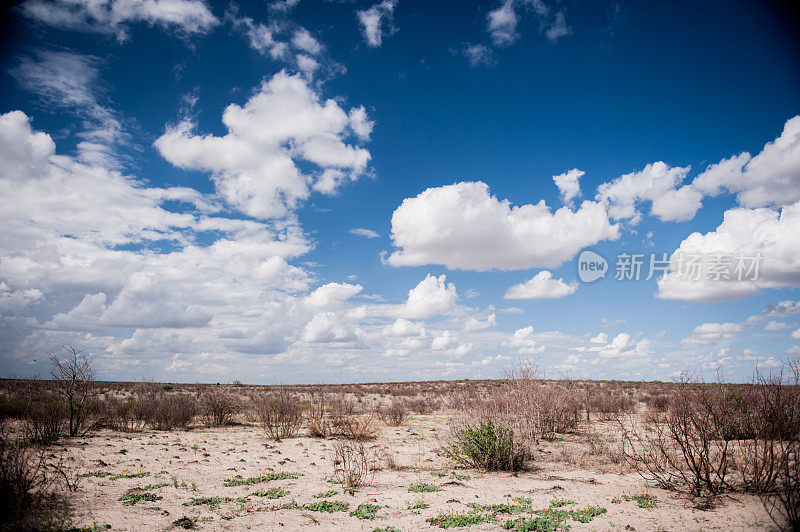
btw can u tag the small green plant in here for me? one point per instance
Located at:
(328, 506)
(185, 522)
(559, 503)
(488, 445)
(98, 474)
(213, 502)
(437, 474)
(266, 477)
(454, 519)
(422, 487)
(140, 473)
(386, 529)
(365, 511)
(643, 499)
(459, 477)
(272, 493)
(419, 504)
(130, 499)
(155, 486)
(325, 494)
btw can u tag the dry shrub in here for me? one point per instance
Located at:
(424, 404)
(341, 405)
(219, 405)
(172, 411)
(358, 428)
(317, 424)
(122, 414)
(657, 402)
(46, 417)
(610, 405)
(27, 497)
(73, 376)
(280, 414)
(394, 414)
(718, 437)
(681, 448)
(353, 463)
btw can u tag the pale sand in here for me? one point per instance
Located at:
(205, 458)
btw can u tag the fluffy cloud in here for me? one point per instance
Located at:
(256, 165)
(502, 22)
(707, 333)
(745, 233)
(568, 184)
(285, 41)
(622, 347)
(325, 327)
(462, 226)
(796, 334)
(524, 341)
(782, 309)
(541, 286)
(432, 296)
(403, 328)
(331, 295)
(113, 16)
(377, 22)
(657, 183)
(771, 178)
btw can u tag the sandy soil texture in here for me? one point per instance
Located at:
(179, 468)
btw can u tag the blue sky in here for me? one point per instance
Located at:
(309, 191)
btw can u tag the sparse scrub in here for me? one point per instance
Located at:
(280, 414)
(219, 405)
(28, 496)
(353, 464)
(394, 414)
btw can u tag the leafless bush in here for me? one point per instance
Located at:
(123, 415)
(219, 405)
(424, 404)
(171, 411)
(280, 414)
(771, 460)
(358, 428)
(45, 417)
(353, 463)
(27, 497)
(317, 423)
(681, 449)
(657, 402)
(394, 414)
(73, 376)
(609, 405)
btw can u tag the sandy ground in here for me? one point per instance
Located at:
(199, 461)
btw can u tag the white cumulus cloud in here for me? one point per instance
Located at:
(462, 226)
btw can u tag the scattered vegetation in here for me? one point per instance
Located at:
(422, 487)
(266, 477)
(365, 511)
(131, 498)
